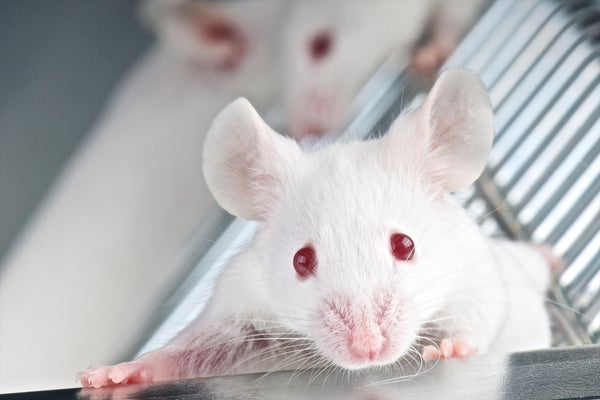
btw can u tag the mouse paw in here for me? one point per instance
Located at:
(557, 265)
(427, 59)
(448, 348)
(127, 372)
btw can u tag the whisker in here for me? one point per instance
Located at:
(567, 307)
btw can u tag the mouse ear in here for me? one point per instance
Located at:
(245, 162)
(458, 121)
(198, 30)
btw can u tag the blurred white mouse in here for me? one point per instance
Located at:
(132, 196)
(332, 47)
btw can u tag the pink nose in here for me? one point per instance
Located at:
(367, 343)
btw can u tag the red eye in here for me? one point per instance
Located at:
(321, 45)
(403, 248)
(220, 32)
(305, 262)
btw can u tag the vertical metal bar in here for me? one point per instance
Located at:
(587, 159)
(569, 217)
(481, 33)
(509, 61)
(547, 139)
(567, 318)
(581, 16)
(572, 78)
(520, 12)
(582, 240)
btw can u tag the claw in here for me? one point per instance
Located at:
(448, 348)
(130, 372)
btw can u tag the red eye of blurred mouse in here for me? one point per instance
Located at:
(321, 45)
(403, 247)
(305, 262)
(220, 31)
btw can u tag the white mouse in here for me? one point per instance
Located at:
(332, 48)
(217, 34)
(361, 258)
(132, 198)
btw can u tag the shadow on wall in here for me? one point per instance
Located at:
(59, 61)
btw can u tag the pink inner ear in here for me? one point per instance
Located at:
(263, 186)
(428, 58)
(221, 36)
(447, 131)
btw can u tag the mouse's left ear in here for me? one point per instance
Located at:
(245, 162)
(199, 30)
(457, 120)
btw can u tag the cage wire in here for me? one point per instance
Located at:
(540, 61)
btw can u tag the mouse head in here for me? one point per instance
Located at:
(356, 236)
(218, 35)
(332, 47)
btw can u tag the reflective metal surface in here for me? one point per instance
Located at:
(548, 374)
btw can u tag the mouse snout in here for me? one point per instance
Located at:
(314, 115)
(366, 342)
(359, 334)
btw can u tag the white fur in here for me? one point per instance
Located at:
(346, 200)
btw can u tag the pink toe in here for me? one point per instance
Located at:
(145, 375)
(120, 372)
(430, 353)
(93, 377)
(98, 380)
(130, 372)
(462, 349)
(446, 348)
(556, 263)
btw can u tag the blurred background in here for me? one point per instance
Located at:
(107, 230)
(59, 62)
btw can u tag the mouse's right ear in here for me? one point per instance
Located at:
(245, 162)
